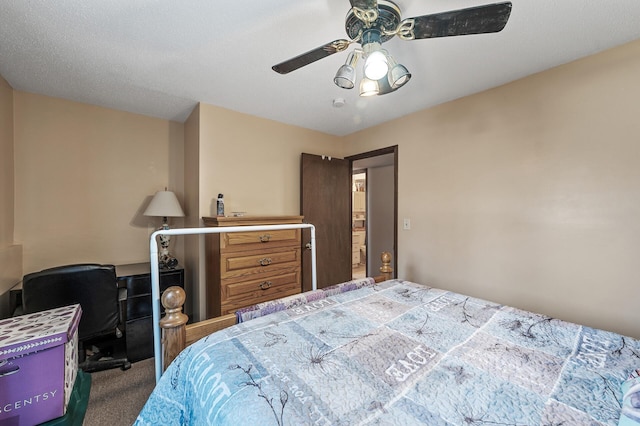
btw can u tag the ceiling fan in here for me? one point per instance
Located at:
(373, 22)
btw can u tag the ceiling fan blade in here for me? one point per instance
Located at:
(311, 56)
(489, 18)
(364, 4)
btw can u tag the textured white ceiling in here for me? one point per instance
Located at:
(161, 57)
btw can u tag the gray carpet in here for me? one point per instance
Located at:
(117, 396)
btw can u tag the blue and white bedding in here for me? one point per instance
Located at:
(397, 353)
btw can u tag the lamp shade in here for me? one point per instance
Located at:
(399, 75)
(164, 204)
(369, 87)
(345, 77)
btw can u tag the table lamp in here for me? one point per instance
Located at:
(165, 204)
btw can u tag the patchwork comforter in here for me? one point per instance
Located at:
(397, 353)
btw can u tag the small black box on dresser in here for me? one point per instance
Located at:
(136, 278)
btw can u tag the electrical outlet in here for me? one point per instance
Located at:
(406, 224)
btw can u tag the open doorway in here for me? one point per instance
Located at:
(358, 223)
(373, 209)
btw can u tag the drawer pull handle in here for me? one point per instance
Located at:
(265, 238)
(265, 261)
(265, 285)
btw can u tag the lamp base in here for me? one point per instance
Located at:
(167, 262)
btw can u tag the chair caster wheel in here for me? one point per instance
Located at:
(126, 366)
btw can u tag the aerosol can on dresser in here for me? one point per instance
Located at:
(220, 205)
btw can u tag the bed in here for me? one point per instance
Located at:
(398, 352)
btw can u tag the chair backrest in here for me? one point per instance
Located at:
(93, 286)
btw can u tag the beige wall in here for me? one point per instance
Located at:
(10, 253)
(83, 176)
(254, 162)
(193, 244)
(528, 194)
(6, 163)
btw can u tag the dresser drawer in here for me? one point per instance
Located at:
(238, 295)
(262, 285)
(236, 265)
(259, 240)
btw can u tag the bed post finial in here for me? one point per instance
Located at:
(386, 269)
(173, 324)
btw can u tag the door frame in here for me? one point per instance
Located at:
(375, 153)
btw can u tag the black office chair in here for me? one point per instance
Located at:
(95, 288)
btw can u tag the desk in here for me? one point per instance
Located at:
(138, 315)
(137, 309)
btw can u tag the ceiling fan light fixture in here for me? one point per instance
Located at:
(376, 65)
(369, 87)
(399, 75)
(346, 75)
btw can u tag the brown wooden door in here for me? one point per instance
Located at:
(325, 202)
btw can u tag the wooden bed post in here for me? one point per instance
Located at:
(386, 269)
(174, 334)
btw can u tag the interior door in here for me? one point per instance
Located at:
(325, 202)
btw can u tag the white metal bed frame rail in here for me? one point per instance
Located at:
(155, 271)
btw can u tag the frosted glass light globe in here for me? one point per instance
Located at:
(376, 66)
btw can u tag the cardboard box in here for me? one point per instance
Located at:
(38, 365)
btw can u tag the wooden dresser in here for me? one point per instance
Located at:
(245, 268)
